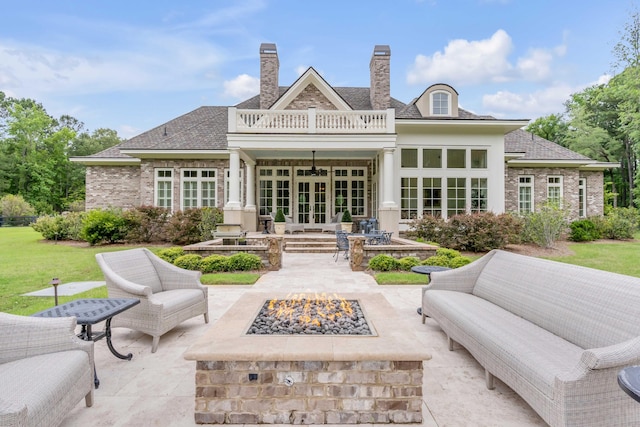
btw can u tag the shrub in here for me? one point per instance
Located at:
(428, 228)
(209, 219)
(445, 257)
(279, 216)
(185, 227)
(545, 226)
(11, 205)
(459, 261)
(584, 230)
(170, 254)
(621, 223)
(407, 262)
(438, 260)
(214, 263)
(52, 227)
(449, 253)
(383, 262)
(146, 224)
(243, 261)
(189, 262)
(103, 226)
(346, 216)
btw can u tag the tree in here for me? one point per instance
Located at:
(552, 128)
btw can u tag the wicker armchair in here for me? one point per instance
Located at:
(45, 370)
(168, 295)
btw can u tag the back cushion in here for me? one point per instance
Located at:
(135, 266)
(587, 307)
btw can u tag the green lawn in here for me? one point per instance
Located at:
(27, 264)
(618, 257)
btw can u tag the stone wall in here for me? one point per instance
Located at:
(112, 186)
(311, 97)
(308, 392)
(570, 177)
(270, 253)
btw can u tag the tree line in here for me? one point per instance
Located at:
(35, 149)
(603, 121)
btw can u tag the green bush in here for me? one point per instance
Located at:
(279, 216)
(545, 226)
(621, 223)
(243, 261)
(459, 261)
(187, 227)
(449, 253)
(478, 232)
(437, 260)
(445, 257)
(188, 262)
(52, 227)
(346, 216)
(407, 262)
(146, 224)
(103, 226)
(584, 230)
(170, 254)
(214, 263)
(383, 262)
(11, 205)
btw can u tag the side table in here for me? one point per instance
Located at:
(90, 311)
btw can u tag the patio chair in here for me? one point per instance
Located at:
(342, 244)
(168, 295)
(386, 237)
(333, 225)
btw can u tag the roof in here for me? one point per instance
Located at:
(534, 147)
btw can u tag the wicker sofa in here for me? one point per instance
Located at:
(45, 370)
(557, 334)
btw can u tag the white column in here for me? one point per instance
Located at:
(234, 180)
(388, 178)
(251, 185)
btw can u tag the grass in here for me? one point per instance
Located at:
(230, 278)
(28, 264)
(400, 278)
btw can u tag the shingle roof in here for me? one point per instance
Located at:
(537, 148)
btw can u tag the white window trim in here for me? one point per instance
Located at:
(554, 185)
(274, 185)
(157, 179)
(349, 178)
(199, 181)
(528, 185)
(582, 187)
(449, 101)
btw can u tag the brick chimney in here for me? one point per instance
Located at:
(269, 68)
(379, 68)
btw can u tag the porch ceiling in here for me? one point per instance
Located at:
(305, 154)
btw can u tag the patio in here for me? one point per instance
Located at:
(158, 389)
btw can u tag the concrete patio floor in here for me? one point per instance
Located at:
(158, 389)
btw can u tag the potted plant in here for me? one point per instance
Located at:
(279, 222)
(346, 222)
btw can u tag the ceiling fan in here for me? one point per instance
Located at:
(314, 171)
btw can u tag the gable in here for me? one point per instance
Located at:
(311, 96)
(309, 88)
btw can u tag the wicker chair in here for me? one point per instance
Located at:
(45, 370)
(168, 295)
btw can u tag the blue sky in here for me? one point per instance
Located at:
(133, 65)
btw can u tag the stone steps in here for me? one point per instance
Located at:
(310, 245)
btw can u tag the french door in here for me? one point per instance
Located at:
(311, 199)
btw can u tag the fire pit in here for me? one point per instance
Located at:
(317, 314)
(244, 377)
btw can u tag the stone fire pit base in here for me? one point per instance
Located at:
(303, 379)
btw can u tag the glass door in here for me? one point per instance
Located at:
(311, 201)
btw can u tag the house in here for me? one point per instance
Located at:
(315, 150)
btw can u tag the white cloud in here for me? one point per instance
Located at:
(243, 86)
(465, 62)
(300, 69)
(127, 131)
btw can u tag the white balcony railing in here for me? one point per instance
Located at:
(311, 121)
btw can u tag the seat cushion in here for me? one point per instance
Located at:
(178, 299)
(41, 382)
(513, 342)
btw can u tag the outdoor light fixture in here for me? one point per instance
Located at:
(55, 282)
(314, 171)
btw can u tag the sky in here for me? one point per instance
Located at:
(134, 65)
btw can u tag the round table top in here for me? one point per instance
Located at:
(629, 381)
(428, 269)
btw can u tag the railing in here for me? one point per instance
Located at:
(311, 121)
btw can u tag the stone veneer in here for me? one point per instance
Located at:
(303, 379)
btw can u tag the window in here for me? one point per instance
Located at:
(554, 190)
(478, 159)
(479, 197)
(226, 186)
(456, 196)
(431, 158)
(582, 197)
(408, 198)
(456, 158)
(432, 196)
(274, 186)
(164, 188)
(440, 104)
(349, 191)
(198, 188)
(525, 194)
(409, 157)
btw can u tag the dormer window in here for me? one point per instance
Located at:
(440, 104)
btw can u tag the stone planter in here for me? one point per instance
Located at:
(279, 228)
(347, 226)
